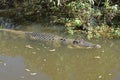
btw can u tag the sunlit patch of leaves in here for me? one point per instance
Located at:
(104, 31)
(70, 31)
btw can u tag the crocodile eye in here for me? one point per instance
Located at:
(62, 39)
(75, 42)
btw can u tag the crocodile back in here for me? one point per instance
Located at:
(41, 36)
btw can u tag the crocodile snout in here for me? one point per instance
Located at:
(98, 46)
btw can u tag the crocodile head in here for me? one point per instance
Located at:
(81, 42)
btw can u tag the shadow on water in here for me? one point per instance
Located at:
(21, 59)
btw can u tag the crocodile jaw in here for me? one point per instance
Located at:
(98, 46)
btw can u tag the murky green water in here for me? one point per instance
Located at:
(21, 59)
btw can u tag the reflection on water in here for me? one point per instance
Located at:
(21, 59)
(13, 68)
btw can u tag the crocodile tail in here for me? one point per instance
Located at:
(12, 31)
(20, 34)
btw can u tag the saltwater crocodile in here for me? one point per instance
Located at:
(46, 37)
(8, 26)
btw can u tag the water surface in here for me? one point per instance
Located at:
(21, 59)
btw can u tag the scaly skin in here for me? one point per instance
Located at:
(53, 38)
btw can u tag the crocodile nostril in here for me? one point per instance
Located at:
(75, 42)
(62, 39)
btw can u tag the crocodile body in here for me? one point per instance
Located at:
(46, 37)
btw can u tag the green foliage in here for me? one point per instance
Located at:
(77, 22)
(97, 18)
(100, 16)
(103, 31)
(70, 31)
(116, 32)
